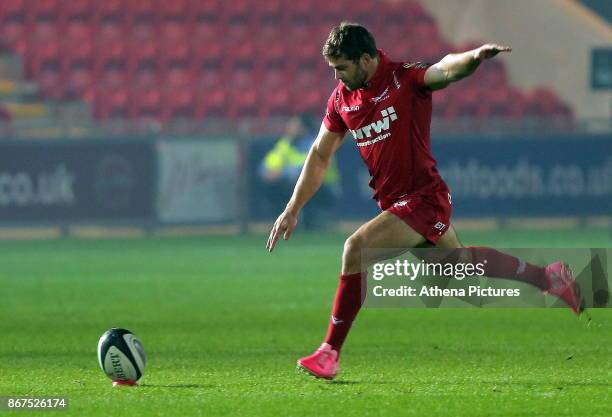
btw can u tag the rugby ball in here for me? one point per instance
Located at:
(121, 356)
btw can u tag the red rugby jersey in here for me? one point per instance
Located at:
(389, 119)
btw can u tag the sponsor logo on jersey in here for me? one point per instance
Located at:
(379, 126)
(417, 65)
(349, 109)
(395, 80)
(383, 96)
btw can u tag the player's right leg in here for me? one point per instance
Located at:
(555, 279)
(390, 236)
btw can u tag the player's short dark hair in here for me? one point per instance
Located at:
(349, 41)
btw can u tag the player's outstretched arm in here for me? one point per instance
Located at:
(454, 67)
(318, 159)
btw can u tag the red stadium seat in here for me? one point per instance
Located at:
(304, 80)
(174, 32)
(273, 55)
(77, 51)
(79, 83)
(208, 55)
(111, 79)
(12, 10)
(206, 33)
(308, 101)
(243, 100)
(76, 10)
(77, 32)
(178, 78)
(144, 55)
(204, 58)
(179, 103)
(43, 56)
(364, 12)
(13, 35)
(299, 13)
(111, 104)
(175, 55)
(77, 54)
(238, 11)
(51, 82)
(243, 103)
(43, 32)
(109, 11)
(492, 74)
(211, 102)
(208, 11)
(270, 12)
(237, 33)
(143, 31)
(208, 79)
(111, 56)
(108, 31)
(241, 55)
(145, 78)
(43, 11)
(308, 56)
(544, 102)
(146, 103)
(142, 11)
(273, 76)
(329, 12)
(174, 10)
(276, 100)
(174, 46)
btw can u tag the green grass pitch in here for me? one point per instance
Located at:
(222, 322)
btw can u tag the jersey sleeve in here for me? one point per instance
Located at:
(332, 120)
(415, 74)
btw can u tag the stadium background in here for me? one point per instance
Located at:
(129, 126)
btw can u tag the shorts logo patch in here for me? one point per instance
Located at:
(439, 226)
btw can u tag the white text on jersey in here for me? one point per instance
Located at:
(375, 128)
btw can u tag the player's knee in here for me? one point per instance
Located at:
(352, 248)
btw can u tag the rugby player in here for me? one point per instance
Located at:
(387, 106)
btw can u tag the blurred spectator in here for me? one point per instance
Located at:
(282, 165)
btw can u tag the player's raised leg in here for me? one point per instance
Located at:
(555, 279)
(388, 234)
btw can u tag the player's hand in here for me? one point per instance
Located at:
(489, 50)
(285, 225)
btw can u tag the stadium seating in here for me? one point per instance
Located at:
(195, 59)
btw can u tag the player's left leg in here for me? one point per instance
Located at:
(390, 236)
(555, 278)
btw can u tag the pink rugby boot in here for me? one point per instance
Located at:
(562, 284)
(322, 364)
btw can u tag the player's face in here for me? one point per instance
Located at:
(352, 74)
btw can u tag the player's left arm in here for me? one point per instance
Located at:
(454, 67)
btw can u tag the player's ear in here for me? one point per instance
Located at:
(365, 59)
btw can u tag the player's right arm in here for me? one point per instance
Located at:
(312, 175)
